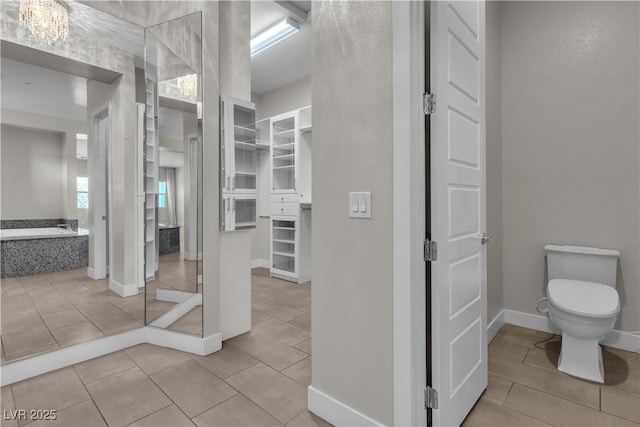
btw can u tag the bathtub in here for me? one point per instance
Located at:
(37, 233)
(27, 251)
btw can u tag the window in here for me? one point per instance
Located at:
(162, 194)
(82, 187)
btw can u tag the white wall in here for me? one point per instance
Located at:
(352, 258)
(286, 98)
(570, 150)
(32, 174)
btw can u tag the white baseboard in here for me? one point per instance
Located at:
(494, 326)
(183, 342)
(336, 412)
(123, 290)
(23, 369)
(616, 339)
(256, 263)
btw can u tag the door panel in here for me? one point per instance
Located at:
(458, 208)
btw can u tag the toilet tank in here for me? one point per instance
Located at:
(582, 263)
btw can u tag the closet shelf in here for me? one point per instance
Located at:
(248, 146)
(245, 129)
(293, 242)
(287, 254)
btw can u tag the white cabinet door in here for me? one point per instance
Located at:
(239, 165)
(458, 207)
(284, 247)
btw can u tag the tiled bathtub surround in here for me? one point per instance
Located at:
(35, 256)
(37, 223)
(169, 239)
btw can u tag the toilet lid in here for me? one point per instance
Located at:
(585, 298)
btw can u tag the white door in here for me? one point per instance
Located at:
(459, 359)
(99, 193)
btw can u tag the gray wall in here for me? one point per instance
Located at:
(352, 258)
(570, 141)
(283, 99)
(32, 174)
(495, 302)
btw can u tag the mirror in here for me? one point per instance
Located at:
(65, 111)
(173, 175)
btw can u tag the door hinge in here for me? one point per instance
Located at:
(430, 398)
(429, 103)
(430, 250)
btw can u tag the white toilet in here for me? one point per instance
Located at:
(582, 301)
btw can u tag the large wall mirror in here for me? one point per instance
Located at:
(173, 175)
(68, 128)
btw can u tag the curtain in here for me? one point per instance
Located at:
(171, 196)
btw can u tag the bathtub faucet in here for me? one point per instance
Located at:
(66, 226)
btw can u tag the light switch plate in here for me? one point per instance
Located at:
(360, 204)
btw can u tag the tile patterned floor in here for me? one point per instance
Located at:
(526, 389)
(258, 379)
(45, 312)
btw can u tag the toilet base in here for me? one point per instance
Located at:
(581, 358)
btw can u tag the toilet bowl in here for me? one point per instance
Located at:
(585, 312)
(583, 303)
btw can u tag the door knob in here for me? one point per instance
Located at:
(483, 237)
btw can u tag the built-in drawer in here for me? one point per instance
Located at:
(284, 209)
(284, 198)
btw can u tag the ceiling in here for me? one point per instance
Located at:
(288, 61)
(27, 87)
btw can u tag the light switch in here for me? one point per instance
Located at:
(360, 204)
(362, 201)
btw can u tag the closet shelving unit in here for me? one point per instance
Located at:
(151, 157)
(239, 172)
(290, 198)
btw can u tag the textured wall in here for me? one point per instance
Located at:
(570, 111)
(352, 258)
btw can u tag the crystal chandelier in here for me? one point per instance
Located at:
(46, 19)
(188, 85)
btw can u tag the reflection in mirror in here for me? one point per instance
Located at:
(60, 106)
(173, 175)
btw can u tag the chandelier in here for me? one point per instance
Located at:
(188, 85)
(46, 19)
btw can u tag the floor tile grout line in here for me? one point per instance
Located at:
(217, 404)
